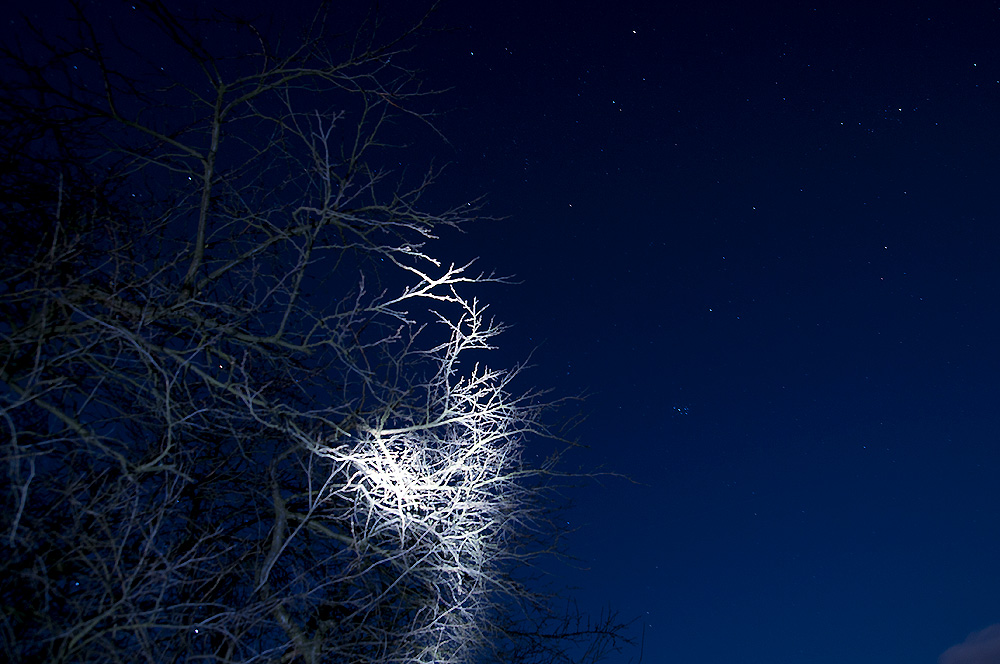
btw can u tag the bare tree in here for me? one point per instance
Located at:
(248, 413)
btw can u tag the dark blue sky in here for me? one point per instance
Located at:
(764, 241)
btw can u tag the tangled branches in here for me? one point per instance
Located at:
(246, 414)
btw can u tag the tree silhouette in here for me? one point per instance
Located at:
(248, 413)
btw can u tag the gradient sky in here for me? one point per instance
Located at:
(765, 242)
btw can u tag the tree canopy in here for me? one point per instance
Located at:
(248, 408)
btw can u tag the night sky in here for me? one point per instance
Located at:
(764, 242)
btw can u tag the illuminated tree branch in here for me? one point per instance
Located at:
(248, 408)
